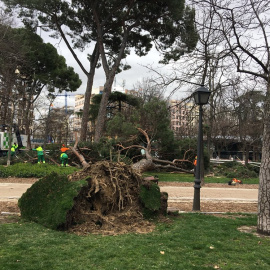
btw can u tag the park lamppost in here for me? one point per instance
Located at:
(201, 96)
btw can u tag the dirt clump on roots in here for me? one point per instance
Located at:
(109, 203)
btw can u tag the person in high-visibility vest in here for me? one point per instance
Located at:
(64, 148)
(64, 156)
(195, 161)
(13, 150)
(40, 154)
(15, 146)
(64, 159)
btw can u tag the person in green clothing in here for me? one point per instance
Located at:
(13, 150)
(40, 154)
(15, 146)
(64, 159)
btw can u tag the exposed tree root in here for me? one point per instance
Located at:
(110, 202)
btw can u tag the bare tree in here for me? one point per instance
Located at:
(148, 88)
(245, 27)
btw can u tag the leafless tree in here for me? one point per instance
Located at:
(148, 88)
(245, 27)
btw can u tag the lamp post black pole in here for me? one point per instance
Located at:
(201, 96)
(197, 181)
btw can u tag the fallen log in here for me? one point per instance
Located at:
(80, 157)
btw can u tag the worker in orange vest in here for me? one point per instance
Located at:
(64, 148)
(64, 156)
(235, 181)
(195, 161)
(195, 165)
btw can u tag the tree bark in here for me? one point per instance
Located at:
(27, 119)
(263, 221)
(80, 157)
(88, 92)
(143, 165)
(109, 71)
(103, 109)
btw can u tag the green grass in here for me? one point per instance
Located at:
(192, 241)
(184, 177)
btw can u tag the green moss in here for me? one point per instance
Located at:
(150, 197)
(48, 200)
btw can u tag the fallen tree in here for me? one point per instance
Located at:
(106, 197)
(78, 155)
(150, 162)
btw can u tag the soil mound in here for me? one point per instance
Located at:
(110, 202)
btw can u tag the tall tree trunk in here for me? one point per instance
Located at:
(246, 154)
(47, 126)
(88, 92)
(263, 221)
(27, 120)
(10, 132)
(102, 113)
(109, 71)
(86, 107)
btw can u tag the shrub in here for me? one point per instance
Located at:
(206, 160)
(254, 169)
(150, 197)
(241, 172)
(48, 201)
(230, 164)
(235, 169)
(26, 170)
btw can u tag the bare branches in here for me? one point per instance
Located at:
(244, 25)
(151, 162)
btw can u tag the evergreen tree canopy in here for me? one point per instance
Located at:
(169, 24)
(39, 63)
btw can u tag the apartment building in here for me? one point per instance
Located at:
(183, 118)
(182, 113)
(79, 103)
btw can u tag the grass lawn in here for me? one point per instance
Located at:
(184, 177)
(192, 241)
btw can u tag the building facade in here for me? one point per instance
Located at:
(183, 118)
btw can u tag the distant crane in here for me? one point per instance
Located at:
(65, 95)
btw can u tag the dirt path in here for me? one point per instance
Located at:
(11, 189)
(214, 197)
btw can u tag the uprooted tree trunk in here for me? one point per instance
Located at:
(78, 155)
(149, 162)
(145, 164)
